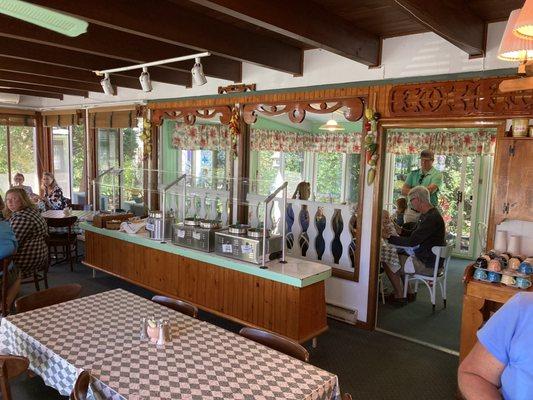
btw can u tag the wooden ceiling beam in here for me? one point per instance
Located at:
(43, 88)
(452, 20)
(32, 93)
(47, 81)
(170, 22)
(134, 49)
(56, 71)
(17, 48)
(305, 21)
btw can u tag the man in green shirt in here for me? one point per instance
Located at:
(426, 176)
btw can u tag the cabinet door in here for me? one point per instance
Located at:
(520, 181)
(502, 168)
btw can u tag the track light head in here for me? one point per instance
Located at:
(146, 83)
(106, 85)
(197, 71)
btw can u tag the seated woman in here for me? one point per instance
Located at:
(19, 183)
(389, 257)
(30, 231)
(53, 195)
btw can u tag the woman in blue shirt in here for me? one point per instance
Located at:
(501, 363)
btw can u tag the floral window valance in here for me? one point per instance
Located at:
(327, 142)
(458, 141)
(201, 137)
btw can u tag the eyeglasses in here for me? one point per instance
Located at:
(421, 179)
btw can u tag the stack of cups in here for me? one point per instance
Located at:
(500, 242)
(514, 245)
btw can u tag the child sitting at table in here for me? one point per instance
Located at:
(387, 226)
(399, 214)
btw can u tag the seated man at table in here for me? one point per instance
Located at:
(429, 232)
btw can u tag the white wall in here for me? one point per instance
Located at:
(406, 56)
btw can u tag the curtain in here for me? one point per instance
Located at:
(287, 141)
(63, 118)
(17, 120)
(200, 137)
(457, 141)
(112, 119)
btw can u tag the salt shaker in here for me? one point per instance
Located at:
(161, 340)
(166, 328)
(143, 334)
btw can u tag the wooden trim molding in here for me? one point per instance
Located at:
(189, 114)
(466, 98)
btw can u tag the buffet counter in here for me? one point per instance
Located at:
(285, 298)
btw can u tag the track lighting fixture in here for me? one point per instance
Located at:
(106, 85)
(197, 71)
(198, 77)
(146, 83)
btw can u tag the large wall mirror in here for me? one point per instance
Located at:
(316, 148)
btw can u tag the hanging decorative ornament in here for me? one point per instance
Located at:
(146, 134)
(234, 130)
(371, 145)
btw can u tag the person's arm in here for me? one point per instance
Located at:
(421, 233)
(479, 375)
(8, 241)
(408, 184)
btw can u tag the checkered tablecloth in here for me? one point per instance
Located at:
(389, 255)
(100, 333)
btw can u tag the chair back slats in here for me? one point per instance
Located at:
(276, 342)
(81, 386)
(10, 367)
(177, 305)
(48, 297)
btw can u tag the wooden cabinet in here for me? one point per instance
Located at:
(512, 190)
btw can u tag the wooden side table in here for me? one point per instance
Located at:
(480, 300)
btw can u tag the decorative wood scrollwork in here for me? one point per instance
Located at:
(458, 98)
(236, 88)
(189, 115)
(297, 111)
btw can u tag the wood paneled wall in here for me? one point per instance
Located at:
(298, 313)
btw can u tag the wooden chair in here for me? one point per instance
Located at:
(48, 297)
(9, 292)
(81, 387)
(78, 207)
(10, 367)
(276, 342)
(177, 305)
(66, 241)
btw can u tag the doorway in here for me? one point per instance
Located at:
(463, 155)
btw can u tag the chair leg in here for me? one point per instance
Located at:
(416, 286)
(45, 279)
(36, 281)
(433, 293)
(70, 257)
(405, 285)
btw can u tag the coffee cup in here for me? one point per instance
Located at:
(502, 260)
(522, 283)
(481, 262)
(513, 264)
(508, 280)
(480, 275)
(493, 276)
(494, 265)
(525, 268)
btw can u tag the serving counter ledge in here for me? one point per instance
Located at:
(285, 298)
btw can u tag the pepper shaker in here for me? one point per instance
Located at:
(166, 326)
(143, 334)
(161, 340)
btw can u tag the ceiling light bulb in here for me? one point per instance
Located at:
(146, 83)
(197, 71)
(106, 85)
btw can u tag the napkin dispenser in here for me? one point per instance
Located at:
(101, 219)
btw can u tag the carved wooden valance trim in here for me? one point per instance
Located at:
(189, 115)
(240, 88)
(296, 111)
(469, 98)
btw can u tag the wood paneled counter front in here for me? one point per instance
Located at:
(285, 298)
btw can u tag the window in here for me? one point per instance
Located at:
(208, 167)
(17, 154)
(272, 168)
(329, 180)
(68, 144)
(120, 149)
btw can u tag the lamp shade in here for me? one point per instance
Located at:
(331, 126)
(524, 23)
(512, 47)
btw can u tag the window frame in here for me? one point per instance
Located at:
(9, 157)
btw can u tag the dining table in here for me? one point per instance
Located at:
(83, 215)
(101, 333)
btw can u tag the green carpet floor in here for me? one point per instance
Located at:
(370, 365)
(417, 320)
